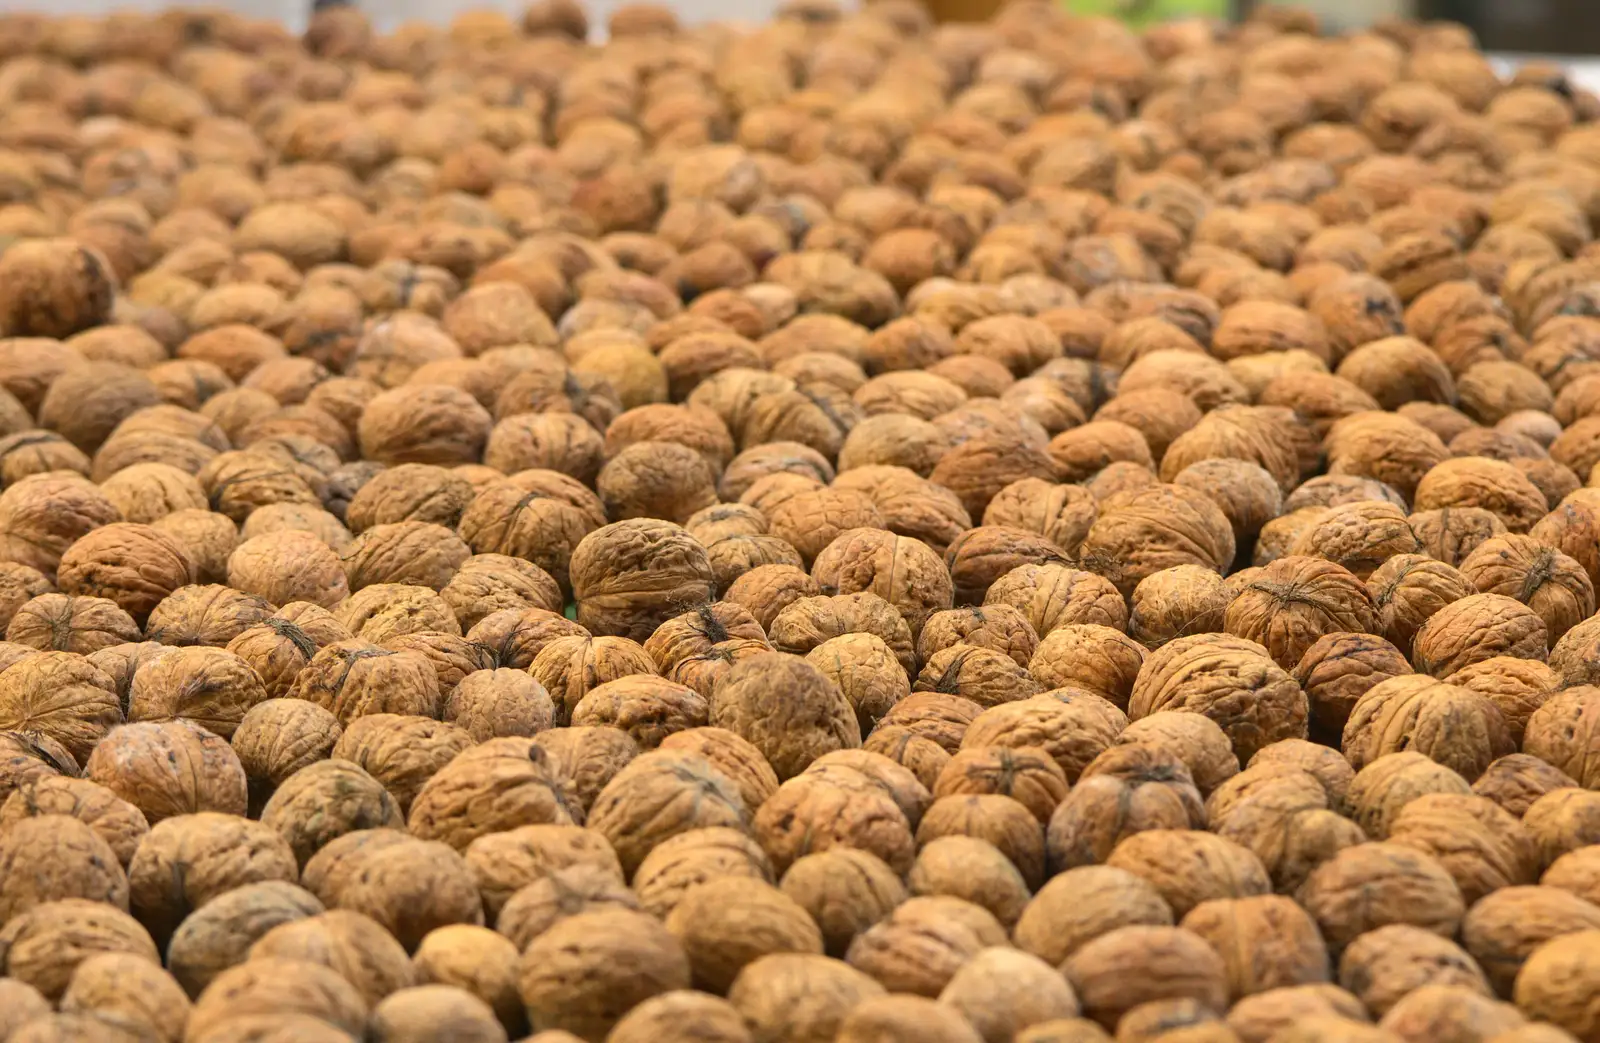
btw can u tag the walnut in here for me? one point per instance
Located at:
(1126, 967)
(1266, 942)
(64, 623)
(45, 946)
(620, 593)
(515, 636)
(288, 566)
(209, 538)
(1415, 713)
(1377, 884)
(679, 1014)
(1256, 1018)
(799, 997)
(207, 855)
(52, 857)
(127, 991)
(1408, 590)
(1204, 674)
(208, 686)
(1157, 529)
(61, 697)
(351, 679)
(1385, 964)
(586, 972)
(1338, 669)
(1053, 595)
(1476, 628)
(424, 424)
(1493, 485)
(409, 886)
(278, 987)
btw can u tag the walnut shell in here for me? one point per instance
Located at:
(525, 787)
(1385, 964)
(169, 768)
(586, 972)
(63, 623)
(409, 886)
(44, 946)
(1294, 602)
(1203, 674)
(1126, 967)
(1477, 628)
(1377, 884)
(188, 860)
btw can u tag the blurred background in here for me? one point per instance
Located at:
(1512, 28)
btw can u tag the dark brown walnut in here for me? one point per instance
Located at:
(288, 566)
(569, 668)
(631, 576)
(799, 997)
(62, 697)
(1231, 680)
(135, 566)
(1359, 536)
(922, 944)
(1129, 966)
(65, 623)
(516, 636)
(1373, 885)
(1177, 602)
(1455, 726)
(1546, 580)
(1338, 669)
(518, 774)
(589, 970)
(1477, 628)
(1294, 602)
(1191, 866)
(53, 857)
(1255, 1019)
(1095, 658)
(208, 686)
(237, 483)
(1386, 964)
(277, 737)
(1157, 529)
(351, 679)
(1266, 942)
(43, 947)
(1504, 928)
(1054, 595)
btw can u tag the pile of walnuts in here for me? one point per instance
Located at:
(845, 530)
